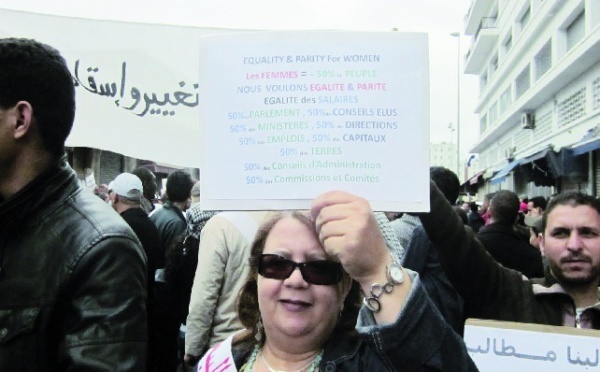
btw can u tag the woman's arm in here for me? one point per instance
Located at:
(348, 230)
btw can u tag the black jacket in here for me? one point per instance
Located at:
(170, 222)
(475, 221)
(148, 235)
(511, 250)
(490, 290)
(421, 256)
(72, 281)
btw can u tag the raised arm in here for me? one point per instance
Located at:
(408, 319)
(483, 283)
(349, 231)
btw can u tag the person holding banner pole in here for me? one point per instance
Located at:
(568, 295)
(301, 309)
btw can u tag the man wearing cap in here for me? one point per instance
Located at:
(126, 196)
(126, 200)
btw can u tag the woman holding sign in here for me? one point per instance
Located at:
(301, 302)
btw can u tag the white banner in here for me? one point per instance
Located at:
(362, 116)
(509, 346)
(137, 84)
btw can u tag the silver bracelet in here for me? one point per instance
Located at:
(373, 303)
(395, 275)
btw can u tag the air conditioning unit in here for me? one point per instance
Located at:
(527, 120)
(509, 153)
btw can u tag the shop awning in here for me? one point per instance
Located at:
(545, 167)
(537, 156)
(540, 167)
(473, 180)
(472, 184)
(501, 175)
(584, 148)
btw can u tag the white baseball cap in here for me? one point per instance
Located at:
(128, 186)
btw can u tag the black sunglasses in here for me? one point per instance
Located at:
(321, 272)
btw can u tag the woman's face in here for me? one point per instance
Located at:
(293, 307)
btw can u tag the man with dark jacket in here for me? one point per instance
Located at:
(171, 223)
(170, 219)
(503, 242)
(421, 256)
(474, 219)
(149, 188)
(126, 197)
(72, 272)
(567, 296)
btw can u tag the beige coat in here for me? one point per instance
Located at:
(221, 272)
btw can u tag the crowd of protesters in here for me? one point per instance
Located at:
(130, 281)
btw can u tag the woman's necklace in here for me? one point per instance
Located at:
(313, 364)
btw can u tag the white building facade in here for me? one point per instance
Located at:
(538, 63)
(443, 155)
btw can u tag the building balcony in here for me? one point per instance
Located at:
(478, 10)
(483, 42)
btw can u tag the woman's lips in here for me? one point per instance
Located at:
(294, 305)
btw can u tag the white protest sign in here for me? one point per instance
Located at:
(289, 115)
(531, 347)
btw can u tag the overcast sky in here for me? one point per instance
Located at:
(437, 18)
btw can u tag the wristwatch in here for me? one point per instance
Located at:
(395, 273)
